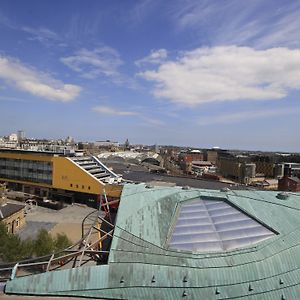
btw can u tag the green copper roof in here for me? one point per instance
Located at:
(141, 265)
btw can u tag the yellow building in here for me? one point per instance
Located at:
(57, 176)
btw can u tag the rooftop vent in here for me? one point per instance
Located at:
(282, 196)
(225, 189)
(149, 186)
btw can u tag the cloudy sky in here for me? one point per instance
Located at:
(202, 73)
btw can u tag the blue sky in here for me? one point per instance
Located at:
(200, 73)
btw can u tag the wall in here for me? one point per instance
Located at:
(266, 168)
(68, 176)
(11, 221)
(287, 184)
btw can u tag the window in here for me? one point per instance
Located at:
(77, 186)
(89, 187)
(83, 187)
(17, 222)
(71, 185)
(214, 225)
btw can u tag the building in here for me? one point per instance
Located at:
(199, 167)
(8, 144)
(13, 137)
(21, 135)
(293, 169)
(278, 170)
(266, 184)
(230, 168)
(106, 144)
(186, 158)
(266, 168)
(179, 243)
(132, 157)
(268, 165)
(291, 184)
(58, 176)
(69, 140)
(12, 215)
(191, 155)
(211, 155)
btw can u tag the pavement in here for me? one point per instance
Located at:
(67, 220)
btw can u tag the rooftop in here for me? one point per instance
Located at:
(9, 209)
(296, 179)
(22, 151)
(142, 263)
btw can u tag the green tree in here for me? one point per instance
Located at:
(61, 242)
(13, 250)
(44, 243)
(11, 247)
(3, 237)
(27, 248)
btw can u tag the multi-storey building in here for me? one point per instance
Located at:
(58, 176)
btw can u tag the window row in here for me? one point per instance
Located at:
(78, 186)
(26, 176)
(21, 163)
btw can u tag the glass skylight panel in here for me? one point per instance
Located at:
(214, 225)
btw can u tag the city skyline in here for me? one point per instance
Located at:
(195, 73)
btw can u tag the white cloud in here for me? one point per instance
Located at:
(152, 121)
(227, 73)
(41, 34)
(107, 110)
(103, 61)
(246, 116)
(262, 24)
(34, 82)
(155, 57)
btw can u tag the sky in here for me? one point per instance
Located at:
(199, 73)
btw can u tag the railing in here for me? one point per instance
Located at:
(96, 228)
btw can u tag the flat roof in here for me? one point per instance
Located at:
(22, 151)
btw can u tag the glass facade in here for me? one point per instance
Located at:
(26, 170)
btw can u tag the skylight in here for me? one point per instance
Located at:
(213, 225)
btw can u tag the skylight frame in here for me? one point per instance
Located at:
(264, 232)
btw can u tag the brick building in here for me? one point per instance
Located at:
(291, 184)
(12, 215)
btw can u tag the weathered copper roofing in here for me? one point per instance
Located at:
(141, 266)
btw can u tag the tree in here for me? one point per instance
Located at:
(44, 243)
(13, 249)
(61, 242)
